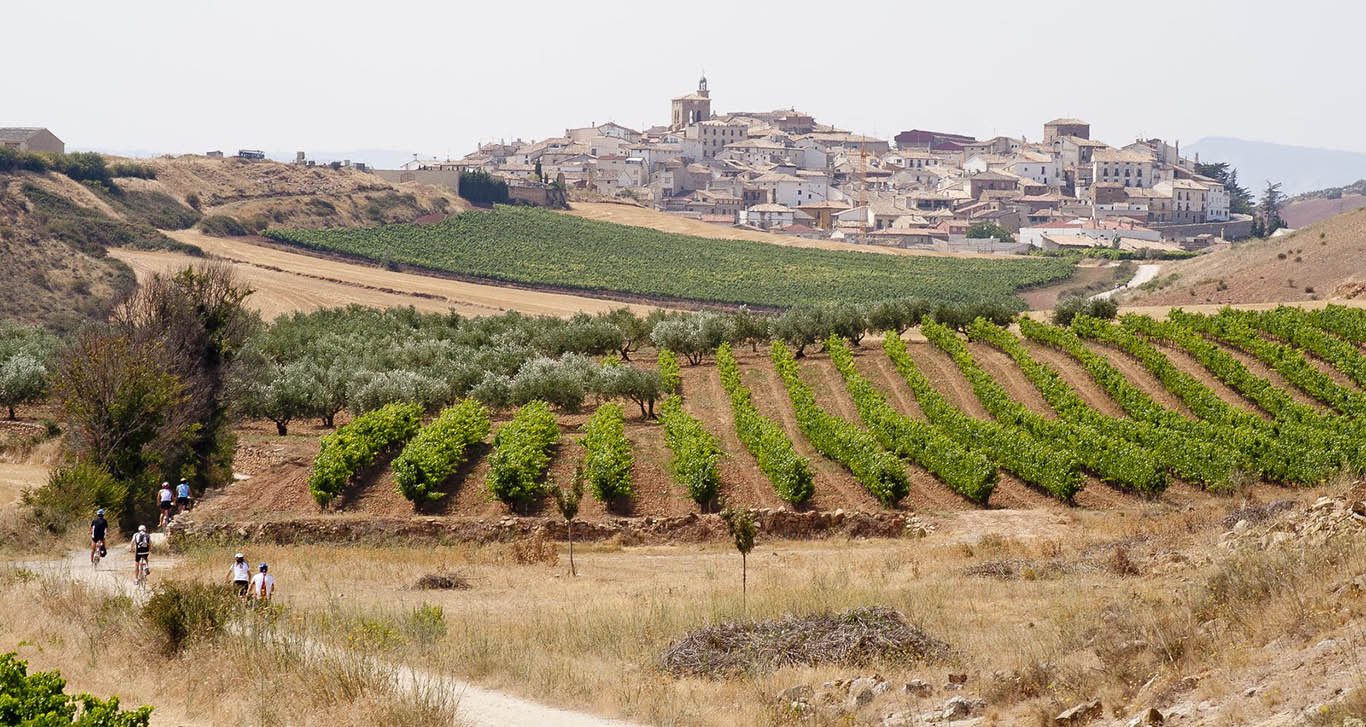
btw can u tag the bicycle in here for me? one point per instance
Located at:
(97, 553)
(140, 577)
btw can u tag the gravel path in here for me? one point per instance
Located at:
(1145, 273)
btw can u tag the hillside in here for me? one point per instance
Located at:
(548, 249)
(1302, 212)
(1299, 169)
(1319, 262)
(55, 233)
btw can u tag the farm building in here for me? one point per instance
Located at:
(25, 138)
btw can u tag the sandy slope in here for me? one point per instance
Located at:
(287, 281)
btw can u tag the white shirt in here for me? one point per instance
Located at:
(241, 572)
(165, 494)
(262, 586)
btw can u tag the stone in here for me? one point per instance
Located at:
(956, 681)
(796, 693)
(859, 698)
(1147, 719)
(959, 707)
(1359, 508)
(1250, 692)
(1241, 527)
(1079, 714)
(919, 689)
(1323, 503)
(1353, 722)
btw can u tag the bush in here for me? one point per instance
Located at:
(607, 466)
(132, 169)
(223, 226)
(483, 188)
(695, 452)
(521, 454)
(37, 700)
(439, 449)
(182, 612)
(670, 377)
(357, 444)
(1069, 308)
(72, 494)
(192, 199)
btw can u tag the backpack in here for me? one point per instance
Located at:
(142, 540)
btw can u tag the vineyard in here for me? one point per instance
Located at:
(530, 246)
(1200, 402)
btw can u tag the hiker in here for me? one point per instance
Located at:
(164, 500)
(182, 497)
(239, 574)
(262, 585)
(98, 527)
(142, 550)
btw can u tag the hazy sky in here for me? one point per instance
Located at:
(193, 75)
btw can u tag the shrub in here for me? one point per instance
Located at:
(72, 494)
(695, 452)
(521, 454)
(670, 377)
(607, 465)
(482, 187)
(182, 612)
(424, 625)
(223, 226)
(132, 169)
(37, 700)
(357, 444)
(439, 449)
(1069, 308)
(192, 199)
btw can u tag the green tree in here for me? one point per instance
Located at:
(23, 379)
(642, 386)
(567, 502)
(283, 393)
(1269, 209)
(984, 229)
(746, 326)
(1239, 199)
(740, 525)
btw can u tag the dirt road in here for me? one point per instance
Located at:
(477, 706)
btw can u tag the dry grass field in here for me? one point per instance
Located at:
(1317, 263)
(287, 281)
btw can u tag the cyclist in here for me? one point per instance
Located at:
(98, 528)
(142, 549)
(240, 574)
(262, 585)
(182, 497)
(164, 499)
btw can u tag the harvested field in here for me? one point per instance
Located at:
(287, 281)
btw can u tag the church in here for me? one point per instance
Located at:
(692, 108)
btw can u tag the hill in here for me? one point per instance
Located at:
(548, 249)
(56, 231)
(1299, 169)
(1317, 262)
(1307, 211)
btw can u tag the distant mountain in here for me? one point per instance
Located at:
(1298, 168)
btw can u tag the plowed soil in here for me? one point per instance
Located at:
(275, 469)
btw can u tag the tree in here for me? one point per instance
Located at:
(1239, 199)
(746, 326)
(1076, 305)
(634, 330)
(283, 393)
(982, 230)
(567, 502)
(641, 386)
(740, 524)
(23, 379)
(799, 327)
(1269, 210)
(122, 403)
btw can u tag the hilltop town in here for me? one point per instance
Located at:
(782, 171)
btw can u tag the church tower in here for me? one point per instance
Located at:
(692, 108)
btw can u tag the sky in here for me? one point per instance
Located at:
(438, 78)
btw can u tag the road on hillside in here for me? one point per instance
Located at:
(1145, 273)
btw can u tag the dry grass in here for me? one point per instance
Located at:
(253, 675)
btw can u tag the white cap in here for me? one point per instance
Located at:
(142, 528)
(239, 556)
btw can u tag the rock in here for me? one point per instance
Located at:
(1353, 722)
(1273, 539)
(1080, 714)
(858, 699)
(959, 707)
(956, 681)
(1241, 527)
(918, 689)
(797, 693)
(1359, 508)
(1250, 692)
(1323, 503)
(1147, 719)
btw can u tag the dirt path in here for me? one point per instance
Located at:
(1145, 273)
(477, 705)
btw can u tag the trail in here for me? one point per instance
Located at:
(475, 705)
(1145, 273)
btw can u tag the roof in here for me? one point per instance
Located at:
(994, 177)
(1083, 142)
(776, 177)
(770, 208)
(20, 133)
(1066, 122)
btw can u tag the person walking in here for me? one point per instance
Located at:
(165, 500)
(262, 587)
(239, 574)
(182, 497)
(98, 528)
